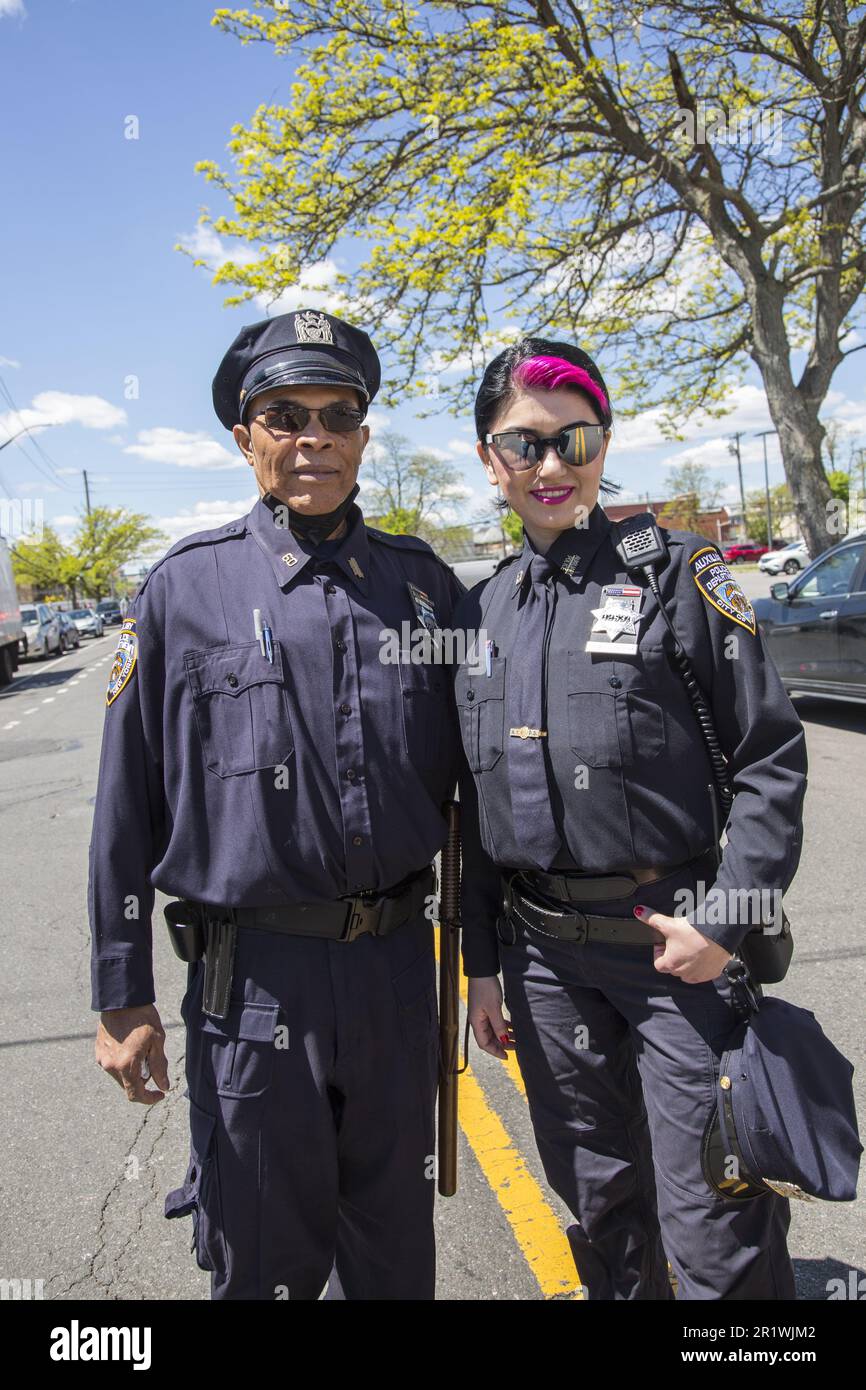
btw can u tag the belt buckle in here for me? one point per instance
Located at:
(362, 916)
(582, 930)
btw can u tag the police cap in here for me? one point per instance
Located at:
(304, 348)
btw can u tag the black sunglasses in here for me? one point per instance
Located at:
(290, 419)
(522, 449)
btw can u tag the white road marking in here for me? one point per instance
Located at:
(12, 723)
(32, 711)
(49, 700)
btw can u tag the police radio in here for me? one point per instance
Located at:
(640, 546)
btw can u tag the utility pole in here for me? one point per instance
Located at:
(762, 435)
(734, 449)
(86, 490)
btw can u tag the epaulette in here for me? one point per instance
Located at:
(506, 560)
(230, 531)
(405, 542)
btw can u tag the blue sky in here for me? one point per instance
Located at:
(94, 293)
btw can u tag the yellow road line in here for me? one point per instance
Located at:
(535, 1226)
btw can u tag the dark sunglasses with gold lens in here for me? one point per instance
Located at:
(522, 449)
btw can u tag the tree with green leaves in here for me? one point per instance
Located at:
(781, 507)
(691, 490)
(407, 489)
(106, 539)
(678, 186)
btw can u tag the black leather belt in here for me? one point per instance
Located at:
(574, 926)
(345, 919)
(586, 888)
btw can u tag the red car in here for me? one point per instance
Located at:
(746, 550)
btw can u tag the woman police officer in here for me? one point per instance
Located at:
(590, 841)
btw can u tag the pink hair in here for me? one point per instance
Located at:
(549, 373)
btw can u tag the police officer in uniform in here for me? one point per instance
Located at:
(263, 764)
(591, 877)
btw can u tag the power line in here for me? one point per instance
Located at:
(52, 476)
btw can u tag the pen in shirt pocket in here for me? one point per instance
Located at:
(489, 654)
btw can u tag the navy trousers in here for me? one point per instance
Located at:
(620, 1065)
(312, 1119)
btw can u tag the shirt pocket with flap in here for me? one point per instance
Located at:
(481, 703)
(241, 708)
(614, 717)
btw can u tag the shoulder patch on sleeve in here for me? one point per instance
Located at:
(720, 588)
(124, 660)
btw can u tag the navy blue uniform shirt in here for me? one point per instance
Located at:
(623, 764)
(231, 780)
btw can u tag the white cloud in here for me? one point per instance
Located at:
(58, 407)
(203, 516)
(748, 413)
(205, 245)
(12, 9)
(8, 361)
(183, 449)
(378, 420)
(314, 288)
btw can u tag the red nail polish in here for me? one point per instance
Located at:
(503, 1037)
(638, 911)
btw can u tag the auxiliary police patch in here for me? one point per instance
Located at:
(720, 588)
(124, 660)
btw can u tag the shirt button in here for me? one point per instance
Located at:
(357, 839)
(340, 644)
(232, 680)
(345, 709)
(470, 695)
(350, 773)
(615, 682)
(330, 588)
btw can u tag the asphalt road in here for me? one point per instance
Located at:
(83, 1174)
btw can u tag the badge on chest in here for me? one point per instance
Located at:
(615, 628)
(425, 612)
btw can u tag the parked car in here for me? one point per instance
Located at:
(742, 551)
(471, 572)
(792, 558)
(88, 622)
(41, 630)
(69, 634)
(109, 611)
(815, 626)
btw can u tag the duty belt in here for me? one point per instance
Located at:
(525, 892)
(345, 919)
(198, 929)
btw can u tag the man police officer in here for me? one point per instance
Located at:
(263, 764)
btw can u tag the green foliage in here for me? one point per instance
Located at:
(637, 176)
(513, 528)
(781, 506)
(840, 484)
(408, 489)
(106, 540)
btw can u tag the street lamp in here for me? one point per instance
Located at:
(762, 435)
